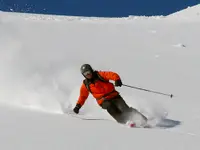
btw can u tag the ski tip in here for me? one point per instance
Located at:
(171, 95)
(132, 125)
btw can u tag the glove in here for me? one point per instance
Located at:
(76, 109)
(118, 82)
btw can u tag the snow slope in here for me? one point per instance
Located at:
(189, 14)
(40, 57)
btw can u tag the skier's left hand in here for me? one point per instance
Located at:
(76, 108)
(118, 82)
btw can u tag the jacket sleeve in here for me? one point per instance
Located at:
(84, 93)
(109, 75)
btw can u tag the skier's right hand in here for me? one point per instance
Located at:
(76, 108)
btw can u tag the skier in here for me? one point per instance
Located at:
(97, 83)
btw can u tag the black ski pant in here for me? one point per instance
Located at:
(118, 109)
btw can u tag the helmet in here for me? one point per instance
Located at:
(85, 68)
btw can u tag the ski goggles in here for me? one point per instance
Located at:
(87, 73)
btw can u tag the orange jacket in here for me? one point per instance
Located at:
(99, 88)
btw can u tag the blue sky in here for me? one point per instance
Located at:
(99, 8)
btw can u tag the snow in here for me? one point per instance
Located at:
(40, 59)
(188, 14)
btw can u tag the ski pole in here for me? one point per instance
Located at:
(148, 90)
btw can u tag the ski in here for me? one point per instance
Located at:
(85, 117)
